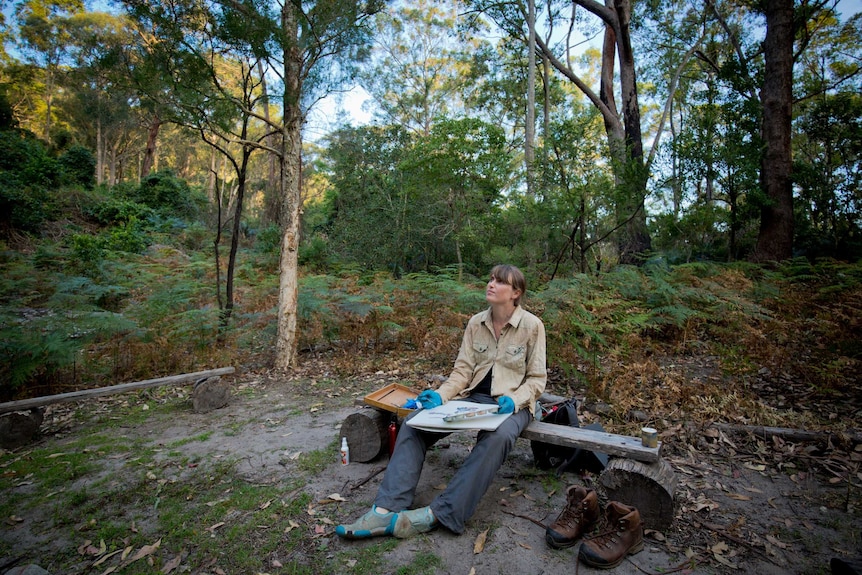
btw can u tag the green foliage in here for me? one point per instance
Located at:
(167, 194)
(127, 237)
(117, 211)
(25, 158)
(38, 343)
(79, 166)
(407, 202)
(25, 171)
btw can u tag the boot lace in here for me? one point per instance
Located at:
(572, 514)
(607, 537)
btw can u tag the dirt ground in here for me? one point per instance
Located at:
(739, 507)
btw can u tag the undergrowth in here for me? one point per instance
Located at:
(72, 318)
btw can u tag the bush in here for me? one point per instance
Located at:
(128, 237)
(114, 211)
(168, 195)
(79, 167)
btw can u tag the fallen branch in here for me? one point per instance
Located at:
(536, 521)
(374, 474)
(767, 433)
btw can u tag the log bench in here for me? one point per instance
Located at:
(20, 420)
(635, 475)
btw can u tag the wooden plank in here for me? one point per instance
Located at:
(23, 404)
(619, 445)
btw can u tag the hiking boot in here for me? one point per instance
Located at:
(369, 525)
(413, 522)
(625, 536)
(577, 518)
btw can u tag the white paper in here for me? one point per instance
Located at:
(432, 419)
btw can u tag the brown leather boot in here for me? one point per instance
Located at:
(625, 536)
(577, 518)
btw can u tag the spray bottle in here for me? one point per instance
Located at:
(345, 452)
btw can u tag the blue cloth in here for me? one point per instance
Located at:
(411, 404)
(430, 399)
(506, 403)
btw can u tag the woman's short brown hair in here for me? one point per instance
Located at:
(509, 274)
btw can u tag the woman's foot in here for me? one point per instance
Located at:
(413, 522)
(372, 524)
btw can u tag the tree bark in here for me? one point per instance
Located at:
(285, 346)
(150, 151)
(530, 123)
(271, 197)
(634, 241)
(775, 239)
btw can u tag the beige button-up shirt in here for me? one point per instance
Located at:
(518, 359)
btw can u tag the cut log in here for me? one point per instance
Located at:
(20, 428)
(210, 393)
(366, 433)
(647, 486)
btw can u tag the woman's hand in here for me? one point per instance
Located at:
(429, 399)
(506, 403)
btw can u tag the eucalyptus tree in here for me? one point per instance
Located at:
(373, 218)
(828, 140)
(44, 38)
(760, 67)
(623, 121)
(308, 47)
(421, 70)
(97, 97)
(460, 169)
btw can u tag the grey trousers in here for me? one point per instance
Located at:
(457, 503)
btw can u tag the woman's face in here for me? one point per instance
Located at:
(499, 292)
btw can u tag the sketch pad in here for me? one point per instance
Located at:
(432, 419)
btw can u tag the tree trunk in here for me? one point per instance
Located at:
(775, 240)
(234, 241)
(634, 241)
(624, 138)
(530, 122)
(271, 197)
(291, 150)
(100, 153)
(150, 151)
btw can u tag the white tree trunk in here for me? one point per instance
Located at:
(285, 343)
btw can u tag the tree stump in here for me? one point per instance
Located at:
(210, 393)
(647, 486)
(20, 428)
(366, 434)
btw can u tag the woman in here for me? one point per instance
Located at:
(501, 361)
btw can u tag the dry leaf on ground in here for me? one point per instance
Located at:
(479, 544)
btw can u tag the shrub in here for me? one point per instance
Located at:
(168, 195)
(118, 211)
(79, 167)
(128, 237)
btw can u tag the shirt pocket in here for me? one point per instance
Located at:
(514, 356)
(480, 348)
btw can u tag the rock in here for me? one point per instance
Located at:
(20, 428)
(638, 415)
(210, 393)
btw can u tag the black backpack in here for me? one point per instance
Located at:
(562, 458)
